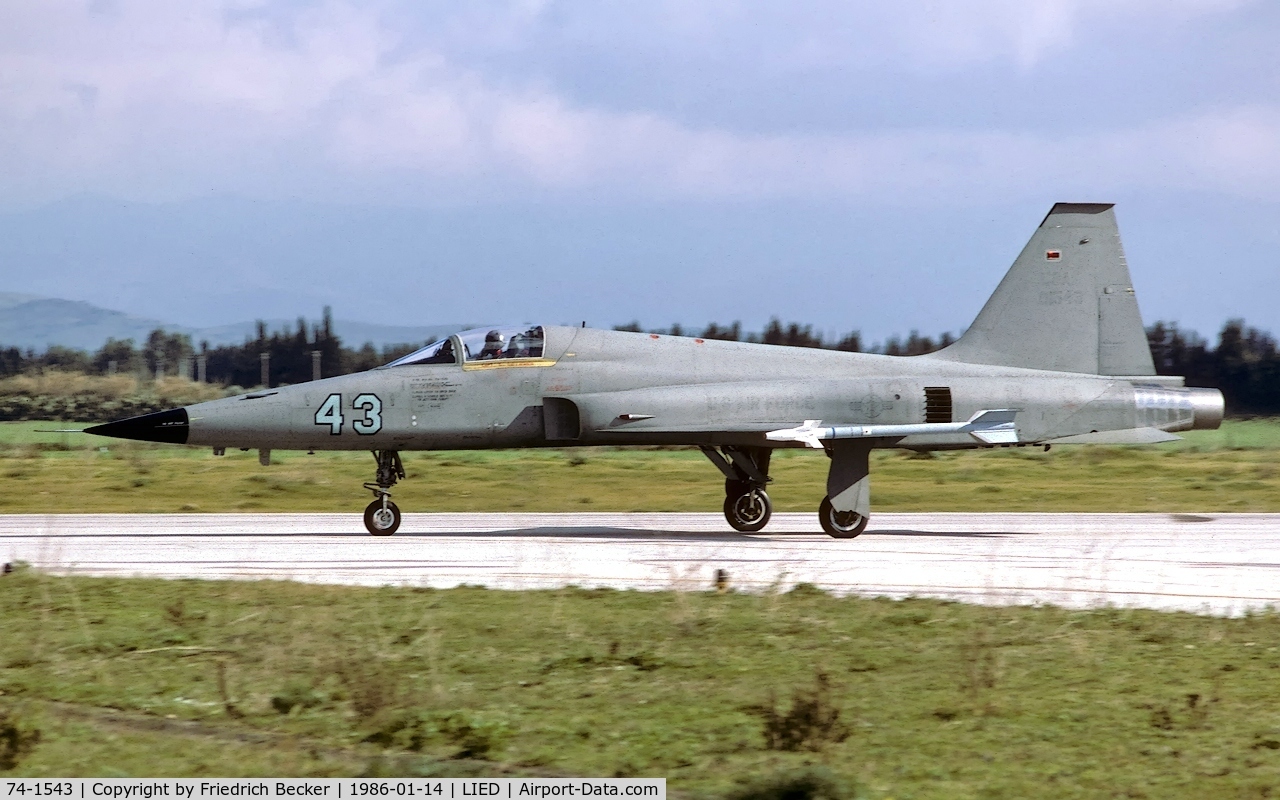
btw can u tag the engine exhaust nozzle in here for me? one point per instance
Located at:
(1209, 409)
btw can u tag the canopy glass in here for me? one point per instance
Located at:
(481, 344)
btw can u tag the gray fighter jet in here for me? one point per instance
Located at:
(1057, 355)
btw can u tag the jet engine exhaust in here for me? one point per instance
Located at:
(1208, 407)
(1178, 409)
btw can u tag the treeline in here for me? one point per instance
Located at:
(291, 357)
(1244, 363)
(793, 334)
(1244, 366)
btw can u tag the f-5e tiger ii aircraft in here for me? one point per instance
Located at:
(1057, 355)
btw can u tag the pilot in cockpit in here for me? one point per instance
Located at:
(493, 341)
(444, 355)
(518, 347)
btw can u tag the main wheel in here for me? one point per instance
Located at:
(840, 524)
(748, 512)
(380, 521)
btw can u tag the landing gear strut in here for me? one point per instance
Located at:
(747, 506)
(382, 517)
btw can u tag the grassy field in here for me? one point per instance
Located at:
(908, 699)
(718, 693)
(1231, 469)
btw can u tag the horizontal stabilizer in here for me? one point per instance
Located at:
(1127, 436)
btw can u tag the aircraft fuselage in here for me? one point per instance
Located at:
(651, 389)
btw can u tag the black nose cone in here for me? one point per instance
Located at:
(163, 426)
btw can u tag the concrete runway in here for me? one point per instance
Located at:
(1220, 563)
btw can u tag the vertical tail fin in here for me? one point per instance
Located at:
(1066, 304)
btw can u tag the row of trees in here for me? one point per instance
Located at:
(793, 334)
(290, 356)
(1244, 364)
(116, 356)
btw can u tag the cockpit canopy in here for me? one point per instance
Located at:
(481, 344)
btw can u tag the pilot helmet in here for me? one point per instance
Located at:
(493, 339)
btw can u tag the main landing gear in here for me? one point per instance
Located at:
(382, 517)
(747, 506)
(840, 524)
(844, 512)
(847, 507)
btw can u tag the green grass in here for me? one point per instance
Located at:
(1235, 434)
(934, 699)
(1233, 469)
(132, 677)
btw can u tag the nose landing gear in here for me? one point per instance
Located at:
(747, 510)
(382, 517)
(747, 506)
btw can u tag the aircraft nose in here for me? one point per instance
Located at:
(169, 426)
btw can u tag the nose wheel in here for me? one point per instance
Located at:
(747, 507)
(382, 517)
(749, 510)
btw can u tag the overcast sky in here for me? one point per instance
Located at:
(855, 165)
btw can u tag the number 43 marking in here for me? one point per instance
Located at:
(330, 413)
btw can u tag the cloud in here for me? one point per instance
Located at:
(922, 34)
(161, 100)
(938, 33)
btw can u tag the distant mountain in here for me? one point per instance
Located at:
(11, 299)
(40, 322)
(27, 321)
